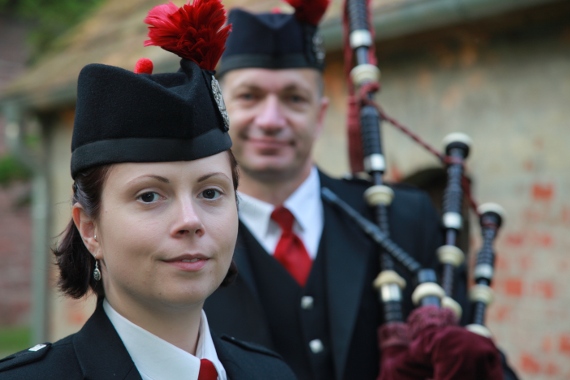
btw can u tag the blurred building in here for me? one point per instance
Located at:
(498, 71)
(15, 218)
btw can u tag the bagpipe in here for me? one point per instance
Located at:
(430, 344)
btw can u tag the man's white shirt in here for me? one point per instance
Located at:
(305, 204)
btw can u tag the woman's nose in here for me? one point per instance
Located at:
(187, 220)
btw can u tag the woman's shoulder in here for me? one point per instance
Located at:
(51, 360)
(253, 360)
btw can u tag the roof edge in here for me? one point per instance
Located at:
(406, 18)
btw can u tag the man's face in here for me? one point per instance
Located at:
(275, 118)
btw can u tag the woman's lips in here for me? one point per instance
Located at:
(189, 263)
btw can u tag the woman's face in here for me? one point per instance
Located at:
(166, 232)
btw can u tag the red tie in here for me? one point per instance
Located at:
(207, 370)
(290, 250)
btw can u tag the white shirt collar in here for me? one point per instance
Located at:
(157, 359)
(305, 204)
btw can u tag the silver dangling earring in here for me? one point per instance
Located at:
(96, 271)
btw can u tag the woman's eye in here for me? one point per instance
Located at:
(149, 197)
(211, 193)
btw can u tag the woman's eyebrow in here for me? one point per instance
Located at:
(209, 175)
(157, 177)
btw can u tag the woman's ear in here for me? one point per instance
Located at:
(86, 227)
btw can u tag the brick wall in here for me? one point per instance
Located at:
(15, 257)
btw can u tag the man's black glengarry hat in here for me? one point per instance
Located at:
(276, 40)
(124, 116)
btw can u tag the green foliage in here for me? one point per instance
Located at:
(14, 339)
(51, 17)
(11, 170)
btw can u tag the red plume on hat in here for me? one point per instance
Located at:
(195, 32)
(309, 11)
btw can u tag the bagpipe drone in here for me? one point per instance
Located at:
(430, 344)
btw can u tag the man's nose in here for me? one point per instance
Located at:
(271, 116)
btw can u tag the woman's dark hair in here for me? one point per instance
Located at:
(75, 262)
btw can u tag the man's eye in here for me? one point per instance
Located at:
(245, 96)
(149, 197)
(211, 193)
(296, 99)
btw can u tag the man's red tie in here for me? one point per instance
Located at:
(207, 370)
(290, 250)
